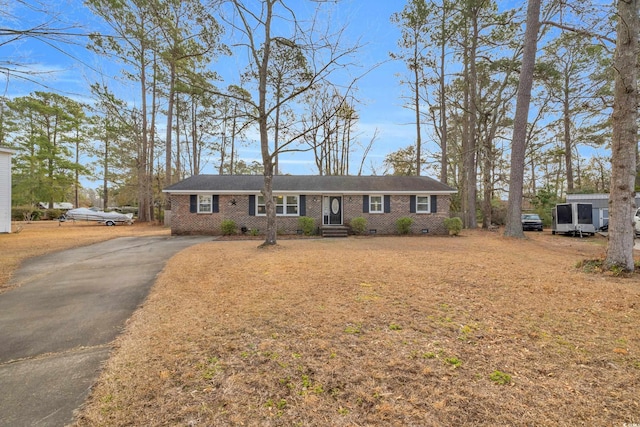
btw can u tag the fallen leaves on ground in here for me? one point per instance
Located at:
(478, 330)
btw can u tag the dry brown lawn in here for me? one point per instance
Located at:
(416, 331)
(478, 330)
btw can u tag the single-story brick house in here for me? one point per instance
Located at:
(200, 203)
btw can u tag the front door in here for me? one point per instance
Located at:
(332, 210)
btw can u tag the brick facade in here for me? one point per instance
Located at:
(385, 223)
(236, 208)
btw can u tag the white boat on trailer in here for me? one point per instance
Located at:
(90, 214)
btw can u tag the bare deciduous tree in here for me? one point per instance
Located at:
(38, 20)
(260, 25)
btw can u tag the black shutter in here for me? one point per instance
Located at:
(252, 205)
(412, 204)
(303, 205)
(193, 203)
(365, 204)
(434, 204)
(387, 204)
(216, 204)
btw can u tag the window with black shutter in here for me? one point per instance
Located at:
(303, 205)
(252, 205)
(216, 204)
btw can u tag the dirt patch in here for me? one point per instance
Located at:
(477, 330)
(29, 239)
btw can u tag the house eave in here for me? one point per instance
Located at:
(310, 193)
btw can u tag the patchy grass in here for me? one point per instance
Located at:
(478, 330)
(499, 377)
(597, 266)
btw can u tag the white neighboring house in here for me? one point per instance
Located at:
(61, 205)
(5, 190)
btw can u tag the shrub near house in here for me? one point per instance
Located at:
(201, 203)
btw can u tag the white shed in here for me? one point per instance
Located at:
(600, 203)
(5, 190)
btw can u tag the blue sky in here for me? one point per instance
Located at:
(368, 23)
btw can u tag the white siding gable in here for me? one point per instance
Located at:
(5, 190)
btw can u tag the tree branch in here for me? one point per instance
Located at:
(578, 31)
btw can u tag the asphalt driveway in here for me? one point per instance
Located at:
(57, 325)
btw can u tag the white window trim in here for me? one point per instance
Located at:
(210, 196)
(376, 211)
(284, 205)
(422, 211)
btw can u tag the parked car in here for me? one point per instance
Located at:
(531, 222)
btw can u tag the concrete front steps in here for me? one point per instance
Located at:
(335, 231)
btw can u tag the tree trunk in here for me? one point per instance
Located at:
(443, 104)
(223, 147)
(233, 139)
(152, 138)
(487, 176)
(416, 100)
(464, 188)
(194, 136)
(276, 132)
(168, 178)
(105, 182)
(178, 150)
(471, 150)
(143, 209)
(267, 160)
(519, 143)
(76, 182)
(487, 195)
(567, 136)
(624, 140)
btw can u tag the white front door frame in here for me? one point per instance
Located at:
(332, 210)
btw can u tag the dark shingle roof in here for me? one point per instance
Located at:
(305, 184)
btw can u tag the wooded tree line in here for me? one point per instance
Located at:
(585, 93)
(186, 117)
(464, 61)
